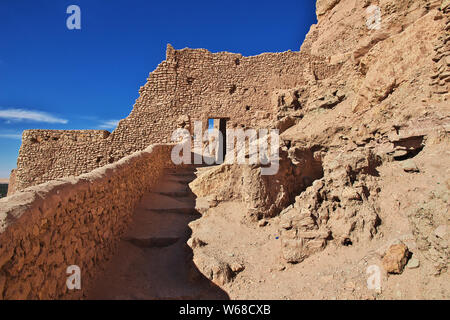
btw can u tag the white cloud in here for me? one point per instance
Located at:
(109, 124)
(29, 115)
(10, 136)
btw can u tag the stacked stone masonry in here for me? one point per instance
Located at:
(71, 221)
(440, 78)
(190, 85)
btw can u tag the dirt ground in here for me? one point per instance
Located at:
(154, 260)
(338, 272)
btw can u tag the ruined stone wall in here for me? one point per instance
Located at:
(191, 84)
(12, 182)
(50, 154)
(71, 221)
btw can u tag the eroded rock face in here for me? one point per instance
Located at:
(328, 186)
(340, 206)
(320, 196)
(323, 6)
(377, 105)
(265, 195)
(433, 239)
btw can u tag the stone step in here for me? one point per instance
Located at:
(172, 185)
(176, 194)
(186, 211)
(181, 180)
(182, 174)
(154, 242)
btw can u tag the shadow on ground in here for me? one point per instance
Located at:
(153, 260)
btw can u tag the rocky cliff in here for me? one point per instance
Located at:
(364, 164)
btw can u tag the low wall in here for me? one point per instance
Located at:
(71, 221)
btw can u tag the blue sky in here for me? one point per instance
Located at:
(55, 78)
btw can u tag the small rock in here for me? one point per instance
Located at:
(350, 286)
(278, 267)
(196, 243)
(350, 194)
(237, 267)
(218, 271)
(410, 166)
(400, 153)
(441, 231)
(262, 223)
(395, 258)
(413, 263)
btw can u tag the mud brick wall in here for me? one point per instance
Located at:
(191, 84)
(12, 182)
(49, 154)
(71, 221)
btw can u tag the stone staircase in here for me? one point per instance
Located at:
(153, 260)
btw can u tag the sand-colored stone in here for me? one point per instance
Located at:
(396, 258)
(71, 221)
(354, 107)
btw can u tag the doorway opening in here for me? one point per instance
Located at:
(219, 124)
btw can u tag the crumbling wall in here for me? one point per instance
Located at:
(49, 154)
(192, 84)
(71, 221)
(12, 182)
